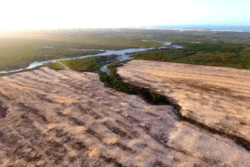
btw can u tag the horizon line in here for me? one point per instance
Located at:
(159, 27)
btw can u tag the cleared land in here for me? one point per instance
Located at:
(67, 119)
(213, 97)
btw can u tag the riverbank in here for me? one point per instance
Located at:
(123, 55)
(20, 50)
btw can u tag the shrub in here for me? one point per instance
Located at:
(114, 81)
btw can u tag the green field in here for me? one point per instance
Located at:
(19, 50)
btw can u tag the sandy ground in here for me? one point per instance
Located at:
(70, 119)
(217, 98)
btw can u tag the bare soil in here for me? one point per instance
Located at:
(213, 99)
(69, 119)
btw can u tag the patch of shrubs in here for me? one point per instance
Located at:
(113, 80)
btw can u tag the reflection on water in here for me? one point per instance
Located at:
(6, 72)
(123, 52)
(177, 47)
(166, 43)
(105, 69)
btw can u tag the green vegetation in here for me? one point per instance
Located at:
(177, 36)
(56, 66)
(19, 54)
(240, 60)
(90, 64)
(19, 50)
(227, 55)
(162, 55)
(221, 54)
(87, 64)
(213, 47)
(114, 81)
(93, 64)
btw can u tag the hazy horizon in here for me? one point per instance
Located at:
(27, 14)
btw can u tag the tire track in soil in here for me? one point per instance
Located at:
(93, 109)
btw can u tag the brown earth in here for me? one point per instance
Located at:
(70, 119)
(215, 99)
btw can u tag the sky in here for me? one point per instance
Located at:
(31, 14)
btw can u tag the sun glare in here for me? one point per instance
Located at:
(29, 14)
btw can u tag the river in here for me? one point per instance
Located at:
(122, 55)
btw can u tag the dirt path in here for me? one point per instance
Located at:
(64, 66)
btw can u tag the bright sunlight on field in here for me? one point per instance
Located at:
(19, 50)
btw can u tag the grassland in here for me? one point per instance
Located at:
(19, 50)
(56, 66)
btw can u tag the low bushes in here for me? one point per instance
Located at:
(90, 64)
(114, 81)
(237, 57)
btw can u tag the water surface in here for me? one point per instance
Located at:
(122, 55)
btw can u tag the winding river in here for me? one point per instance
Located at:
(122, 55)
